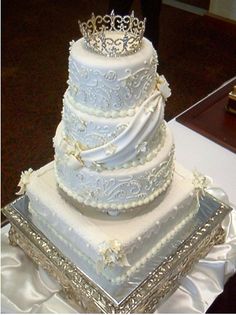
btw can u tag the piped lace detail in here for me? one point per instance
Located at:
(109, 92)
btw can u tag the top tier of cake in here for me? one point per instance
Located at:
(114, 86)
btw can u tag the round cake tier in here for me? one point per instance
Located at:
(111, 85)
(117, 189)
(92, 131)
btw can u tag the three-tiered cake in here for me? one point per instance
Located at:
(113, 196)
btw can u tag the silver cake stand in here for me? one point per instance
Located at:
(147, 289)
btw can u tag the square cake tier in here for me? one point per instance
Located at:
(111, 249)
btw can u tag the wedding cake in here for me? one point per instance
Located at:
(114, 195)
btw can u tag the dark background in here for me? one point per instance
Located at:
(196, 55)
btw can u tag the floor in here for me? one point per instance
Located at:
(196, 55)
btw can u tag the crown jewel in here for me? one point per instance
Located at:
(113, 35)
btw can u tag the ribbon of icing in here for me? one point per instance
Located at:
(124, 147)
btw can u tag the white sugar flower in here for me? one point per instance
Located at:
(74, 89)
(71, 43)
(24, 181)
(201, 183)
(112, 254)
(163, 87)
(75, 151)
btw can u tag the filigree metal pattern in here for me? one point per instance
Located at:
(98, 30)
(77, 288)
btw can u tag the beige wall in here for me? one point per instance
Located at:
(223, 8)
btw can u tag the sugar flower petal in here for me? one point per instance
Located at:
(24, 181)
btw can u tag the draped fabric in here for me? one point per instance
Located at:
(27, 288)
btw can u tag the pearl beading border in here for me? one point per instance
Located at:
(127, 274)
(102, 206)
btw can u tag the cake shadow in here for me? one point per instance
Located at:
(103, 214)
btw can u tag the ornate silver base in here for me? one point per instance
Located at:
(79, 290)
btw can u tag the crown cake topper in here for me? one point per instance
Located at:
(113, 35)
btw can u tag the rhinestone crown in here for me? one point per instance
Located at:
(113, 35)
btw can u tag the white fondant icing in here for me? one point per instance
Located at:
(121, 83)
(88, 129)
(54, 216)
(145, 151)
(121, 149)
(117, 188)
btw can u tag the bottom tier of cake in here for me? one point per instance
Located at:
(111, 248)
(143, 295)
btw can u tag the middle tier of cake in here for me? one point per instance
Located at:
(110, 189)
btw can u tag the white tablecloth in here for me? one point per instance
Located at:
(196, 152)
